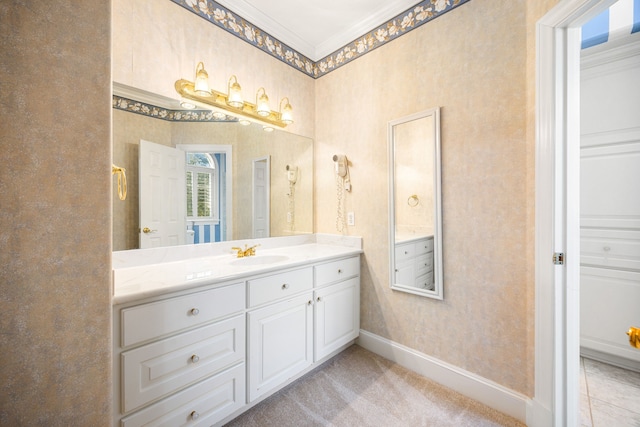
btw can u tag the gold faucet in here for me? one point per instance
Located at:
(241, 253)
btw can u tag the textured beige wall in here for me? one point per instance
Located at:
(159, 42)
(55, 210)
(472, 63)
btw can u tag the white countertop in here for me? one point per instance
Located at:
(405, 238)
(157, 278)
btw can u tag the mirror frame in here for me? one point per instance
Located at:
(438, 292)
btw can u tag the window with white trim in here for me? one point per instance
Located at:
(202, 186)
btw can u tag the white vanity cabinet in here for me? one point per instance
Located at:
(280, 334)
(414, 263)
(337, 305)
(170, 354)
(319, 315)
(204, 354)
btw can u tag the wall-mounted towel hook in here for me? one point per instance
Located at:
(413, 200)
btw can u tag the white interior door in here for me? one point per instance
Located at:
(162, 195)
(610, 201)
(261, 196)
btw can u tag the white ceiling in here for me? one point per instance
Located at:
(317, 28)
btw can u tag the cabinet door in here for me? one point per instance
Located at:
(337, 316)
(280, 343)
(405, 273)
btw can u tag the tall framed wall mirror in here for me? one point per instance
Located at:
(415, 204)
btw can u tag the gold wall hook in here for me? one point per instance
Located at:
(413, 200)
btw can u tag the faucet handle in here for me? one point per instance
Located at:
(240, 251)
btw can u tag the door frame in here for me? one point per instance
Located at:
(267, 161)
(228, 151)
(557, 217)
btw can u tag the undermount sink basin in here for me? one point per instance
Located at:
(260, 260)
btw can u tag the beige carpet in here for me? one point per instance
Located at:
(360, 388)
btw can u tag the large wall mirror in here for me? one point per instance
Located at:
(234, 182)
(415, 208)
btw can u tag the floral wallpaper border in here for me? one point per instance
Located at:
(412, 18)
(132, 106)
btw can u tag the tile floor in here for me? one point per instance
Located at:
(609, 396)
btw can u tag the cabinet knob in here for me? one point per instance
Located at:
(310, 302)
(606, 248)
(339, 271)
(195, 358)
(194, 311)
(406, 252)
(318, 299)
(285, 286)
(194, 415)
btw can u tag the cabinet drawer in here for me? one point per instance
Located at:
(161, 368)
(272, 288)
(426, 281)
(205, 403)
(424, 263)
(153, 320)
(405, 251)
(337, 270)
(424, 246)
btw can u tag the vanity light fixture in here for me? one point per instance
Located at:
(262, 103)
(234, 94)
(201, 85)
(231, 103)
(186, 104)
(286, 112)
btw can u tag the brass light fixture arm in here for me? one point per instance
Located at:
(218, 100)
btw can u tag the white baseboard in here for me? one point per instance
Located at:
(471, 385)
(610, 358)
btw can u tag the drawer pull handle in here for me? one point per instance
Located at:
(194, 311)
(406, 252)
(194, 415)
(285, 286)
(606, 248)
(195, 358)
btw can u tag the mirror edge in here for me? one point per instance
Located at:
(438, 292)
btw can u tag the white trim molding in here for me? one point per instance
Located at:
(557, 223)
(467, 383)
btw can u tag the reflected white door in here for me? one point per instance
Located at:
(261, 203)
(162, 195)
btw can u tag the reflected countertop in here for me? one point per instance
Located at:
(149, 279)
(409, 237)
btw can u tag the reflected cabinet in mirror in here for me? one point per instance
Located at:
(194, 181)
(415, 212)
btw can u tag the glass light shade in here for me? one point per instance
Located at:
(201, 85)
(262, 103)
(244, 122)
(286, 114)
(234, 97)
(267, 128)
(187, 104)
